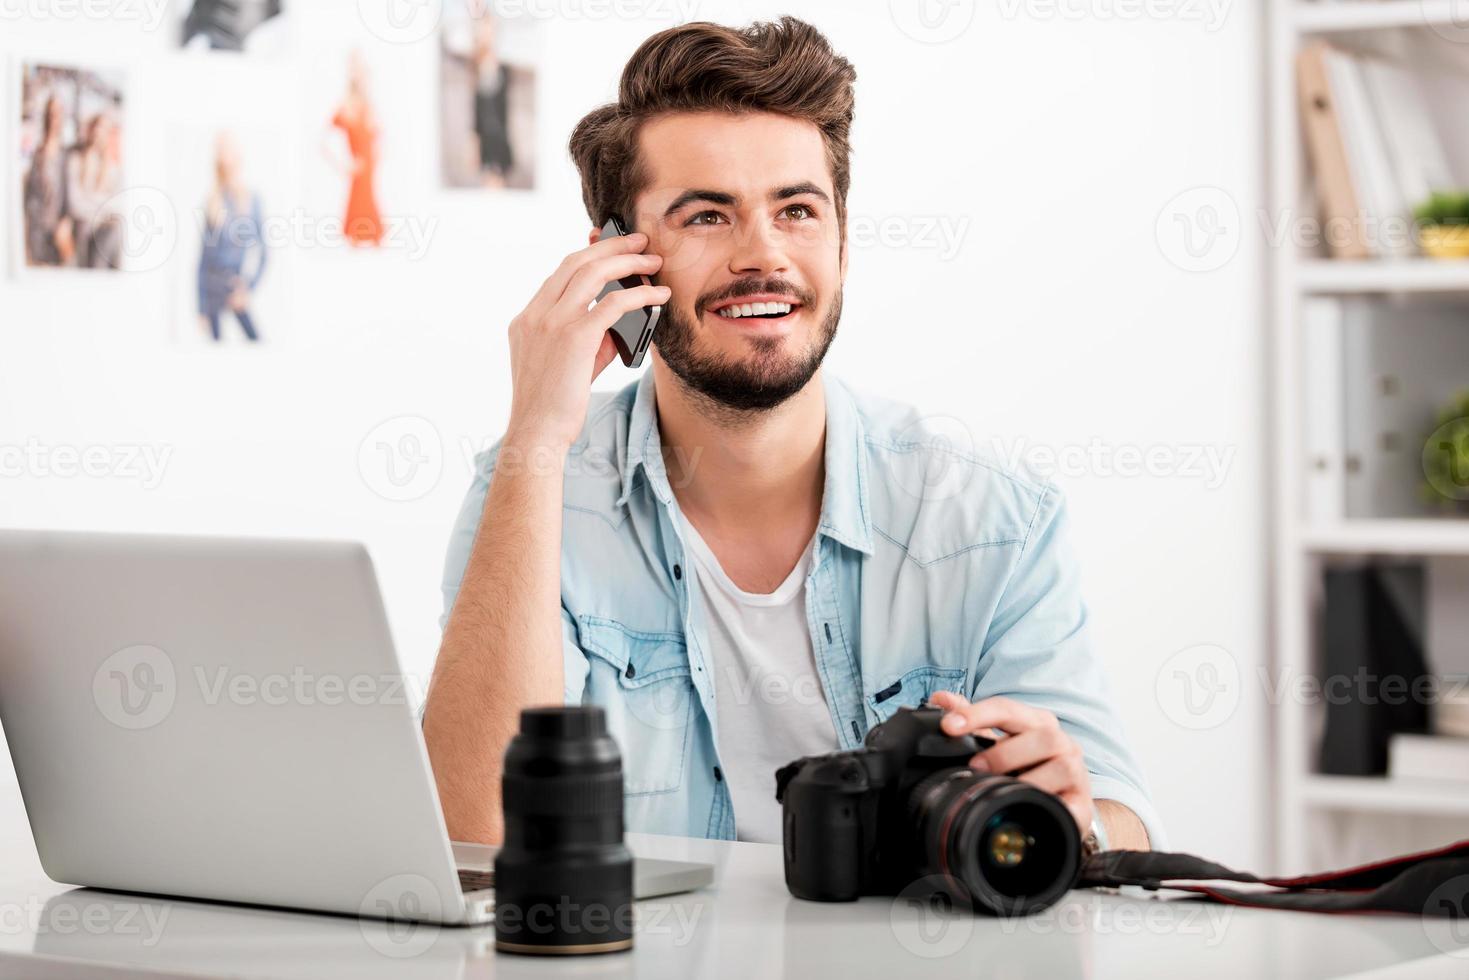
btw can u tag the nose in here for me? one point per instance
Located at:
(760, 250)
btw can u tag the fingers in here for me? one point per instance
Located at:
(1002, 713)
(1021, 752)
(1057, 778)
(947, 700)
(1037, 750)
(605, 355)
(590, 279)
(555, 284)
(615, 304)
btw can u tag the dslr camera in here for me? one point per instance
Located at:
(906, 815)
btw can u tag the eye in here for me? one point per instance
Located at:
(698, 219)
(804, 211)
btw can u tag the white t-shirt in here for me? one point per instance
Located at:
(768, 697)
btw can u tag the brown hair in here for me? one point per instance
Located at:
(785, 67)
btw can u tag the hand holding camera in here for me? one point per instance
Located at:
(908, 810)
(1037, 749)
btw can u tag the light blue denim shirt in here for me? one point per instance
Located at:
(934, 570)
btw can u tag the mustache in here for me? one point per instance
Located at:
(743, 286)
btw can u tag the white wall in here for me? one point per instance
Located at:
(1054, 136)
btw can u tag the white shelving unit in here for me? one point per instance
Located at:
(1303, 798)
(1340, 16)
(1323, 277)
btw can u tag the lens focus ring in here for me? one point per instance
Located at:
(563, 796)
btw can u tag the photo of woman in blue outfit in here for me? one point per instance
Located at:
(232, 232)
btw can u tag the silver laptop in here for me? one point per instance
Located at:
(226, 719)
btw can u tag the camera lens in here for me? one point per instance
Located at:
(995, 842)
(563, 879)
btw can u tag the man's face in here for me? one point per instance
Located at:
(742, 209)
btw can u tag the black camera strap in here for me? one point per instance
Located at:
(1432, 883)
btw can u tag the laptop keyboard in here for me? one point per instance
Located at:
(473, 881)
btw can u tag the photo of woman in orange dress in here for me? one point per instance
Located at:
(355, 118)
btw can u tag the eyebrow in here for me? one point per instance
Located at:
(726, 199)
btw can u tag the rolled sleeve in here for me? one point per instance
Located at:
(1038, 652)
(456, 559)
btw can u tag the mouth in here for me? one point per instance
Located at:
(754, 311)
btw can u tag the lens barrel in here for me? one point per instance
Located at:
(564, 877)
(993, 841)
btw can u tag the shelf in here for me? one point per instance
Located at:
(1405, 536)
(1383, 795)
(1384, 276)
(1366, 15)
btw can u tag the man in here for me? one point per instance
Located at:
(739, 558)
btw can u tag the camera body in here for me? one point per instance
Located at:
(906, 814)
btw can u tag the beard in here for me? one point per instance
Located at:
(764, 378)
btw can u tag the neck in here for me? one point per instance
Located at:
(734, 470)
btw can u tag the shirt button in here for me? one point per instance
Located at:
(677, 571)
(718, 776)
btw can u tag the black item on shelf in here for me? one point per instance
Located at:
(1374, 675)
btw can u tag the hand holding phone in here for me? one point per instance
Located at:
(633, 331)
(561, 341)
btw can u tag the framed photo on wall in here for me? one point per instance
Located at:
(71, 131)
(487, 97)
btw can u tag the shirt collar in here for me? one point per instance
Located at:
(845, 506)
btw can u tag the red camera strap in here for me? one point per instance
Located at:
(1431, 883)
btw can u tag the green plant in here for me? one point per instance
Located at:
(1444, 208)
(1446, 455)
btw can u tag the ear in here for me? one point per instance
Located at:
(595, 236)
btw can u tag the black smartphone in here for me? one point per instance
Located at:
(633, 331)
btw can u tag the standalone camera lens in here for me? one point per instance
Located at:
(563, 879)
(995, 842)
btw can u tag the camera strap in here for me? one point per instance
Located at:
(1430, 883)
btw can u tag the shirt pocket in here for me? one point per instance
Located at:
(911, 689)
(642, 681)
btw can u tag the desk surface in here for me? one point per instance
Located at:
(747, 925)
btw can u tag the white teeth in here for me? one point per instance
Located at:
(754, 309)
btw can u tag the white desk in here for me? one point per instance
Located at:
(747, 926)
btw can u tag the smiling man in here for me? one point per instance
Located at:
(740, 558)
